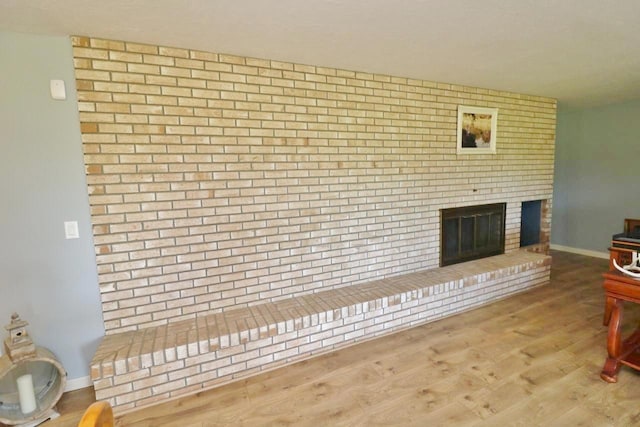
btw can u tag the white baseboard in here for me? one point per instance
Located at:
(78, 383)
(579, 251)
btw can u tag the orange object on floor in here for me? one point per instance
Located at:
(99, 414)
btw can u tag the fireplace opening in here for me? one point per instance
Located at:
(530, 220)
(471, 232)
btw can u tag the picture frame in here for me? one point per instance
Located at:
(477, 127)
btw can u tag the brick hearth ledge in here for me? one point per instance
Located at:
(136, 369)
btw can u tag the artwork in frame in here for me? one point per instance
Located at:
(477, 130)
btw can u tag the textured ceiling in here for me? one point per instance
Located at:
(582, 52)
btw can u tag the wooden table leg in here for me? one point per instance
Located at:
(608, 306)
(614, 343)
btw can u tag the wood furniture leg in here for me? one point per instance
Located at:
(608, 307)
(614, 344)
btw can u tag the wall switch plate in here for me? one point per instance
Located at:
(57, 90)
(71, 230)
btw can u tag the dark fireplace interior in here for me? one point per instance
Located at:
(471, 232)
(531, 215)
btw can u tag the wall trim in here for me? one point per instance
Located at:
(78, 383)
(595, 254)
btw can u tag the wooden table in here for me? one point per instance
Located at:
(618, 289)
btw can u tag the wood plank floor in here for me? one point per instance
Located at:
(530, 360)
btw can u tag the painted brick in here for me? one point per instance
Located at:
(260, 180)
(367, 313)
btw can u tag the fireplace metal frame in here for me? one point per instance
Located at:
(473, 212)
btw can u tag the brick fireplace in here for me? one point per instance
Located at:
(220, 183)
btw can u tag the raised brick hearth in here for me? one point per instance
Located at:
(135, 369)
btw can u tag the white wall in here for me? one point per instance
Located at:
(51, 282)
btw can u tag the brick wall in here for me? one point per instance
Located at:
(219, 181)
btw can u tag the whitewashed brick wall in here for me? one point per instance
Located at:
(219, 181)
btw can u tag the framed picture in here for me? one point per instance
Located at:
(477, 130)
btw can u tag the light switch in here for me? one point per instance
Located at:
(57, 90)
(71, 230)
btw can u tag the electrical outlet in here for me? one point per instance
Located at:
(71, 230)
(57, 89)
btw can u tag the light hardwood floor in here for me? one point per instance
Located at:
(530, 360)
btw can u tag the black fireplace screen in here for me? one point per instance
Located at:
(471, 232)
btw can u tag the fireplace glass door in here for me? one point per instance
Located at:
(471, 232)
